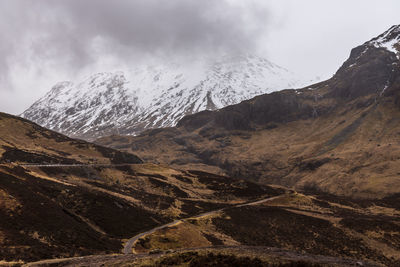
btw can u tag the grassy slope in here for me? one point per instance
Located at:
(353, 152)
(51, 212)
(320, 224)
(78, 210)
(22, 141)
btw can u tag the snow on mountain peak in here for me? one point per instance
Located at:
(130, 101)
(389, 40)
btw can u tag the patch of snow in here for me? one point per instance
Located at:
(384, 89)
(388, 40)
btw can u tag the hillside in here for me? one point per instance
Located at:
(54, 206)
(62, 197)
(291, 229)
(315, 224)
(22, 141)
(340, 136)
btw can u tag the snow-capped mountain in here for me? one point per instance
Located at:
(128, 102)
(390, 40)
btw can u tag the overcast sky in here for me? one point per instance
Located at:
(43, 42)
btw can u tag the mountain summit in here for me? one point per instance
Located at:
(389, 40)
(154, 96)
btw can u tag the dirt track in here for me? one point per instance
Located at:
(105, 260)
(128, 248)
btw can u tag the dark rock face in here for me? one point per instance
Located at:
(197, 120)
(280, 107)
(368, 71)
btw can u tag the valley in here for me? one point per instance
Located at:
(296, 177)
(58, 203)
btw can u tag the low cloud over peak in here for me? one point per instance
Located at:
(75, 33)
(43, 42)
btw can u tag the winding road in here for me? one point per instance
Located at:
(129, 255)
(128, 248)
(76, 165)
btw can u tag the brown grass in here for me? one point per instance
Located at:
(352, 151)
(293, 221)
(8, 203)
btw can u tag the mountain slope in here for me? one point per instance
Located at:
(340, 135)
(150, 97)
(22, 141)
(61, 197)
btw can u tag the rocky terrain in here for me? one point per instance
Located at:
(341, 136)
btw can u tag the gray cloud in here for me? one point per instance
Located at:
(173, 25)
(75, 33)
(46, 41)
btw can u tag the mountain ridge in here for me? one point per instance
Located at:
(154, 96)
